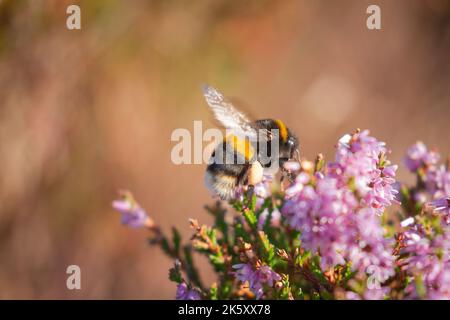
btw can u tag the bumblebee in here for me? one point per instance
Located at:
(249, 149)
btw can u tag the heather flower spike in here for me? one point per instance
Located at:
(184, 293)
(442, 206)
(132, 214)
(256, 277)
(419, 156)
(342, 229)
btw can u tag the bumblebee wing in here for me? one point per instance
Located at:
(227, 114)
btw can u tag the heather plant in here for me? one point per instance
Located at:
(342, 229)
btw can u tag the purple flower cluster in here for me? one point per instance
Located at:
(184, 293)
(418, 156)
(320, 213)
(256, 277)
(427, 262)
(263, 189)
(133, 215)
(336, 218)
(442, 206)
(275, 216)
(360, 162)
(434, 178)
(369, 294)
(424, 162)
(438, 181)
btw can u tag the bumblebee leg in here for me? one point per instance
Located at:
(250, 191)
(281, 183)
(285, 174)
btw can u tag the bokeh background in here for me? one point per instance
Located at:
(85, 113)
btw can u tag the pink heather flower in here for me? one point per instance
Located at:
(133, 215)
(244, 272)
(321, 215)
(184, 293)
(263, 275)
(420, 197)
(336, 217)
(438, 182)
(436, 178)
(419, 156)
(300, 181)
(442, 206)
(291, 166)
(383, 192)
(350, 295)
(331, 223)
(274, 221)
(302, 178)
(358, 164)
(369, 294)
(407, 222)
(372, 248)
(264, 188)
(428, 259)
(443, 291)
(376, 294)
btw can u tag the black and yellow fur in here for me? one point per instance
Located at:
(223, 177)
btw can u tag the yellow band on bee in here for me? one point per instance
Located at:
(283, 130)
(241, 146)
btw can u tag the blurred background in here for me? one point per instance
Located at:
(86, 112)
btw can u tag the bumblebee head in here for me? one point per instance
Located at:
(289, 148)
(293, 147)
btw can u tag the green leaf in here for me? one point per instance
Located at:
(299, 294)
(212, 235)
(175, 273)
(382, 160)
(326, 295)
(269, 250)
(213, 292)
(239, 231)
(302, 258)
(166, 247)
(237, 206)
(191, 270)
(315, 295)
(317, 271)
(253, 202)
(348, 273)
(319, 163)
(225, 290)
(250, 217)
(285, 293)
(217, 261)
(420, 287)
(176, 238)
(219, 220)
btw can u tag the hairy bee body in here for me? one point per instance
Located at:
(239, 160)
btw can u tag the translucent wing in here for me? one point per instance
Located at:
(227, 114)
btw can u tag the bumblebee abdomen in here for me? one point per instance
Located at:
(222, 185)
(222, 179)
